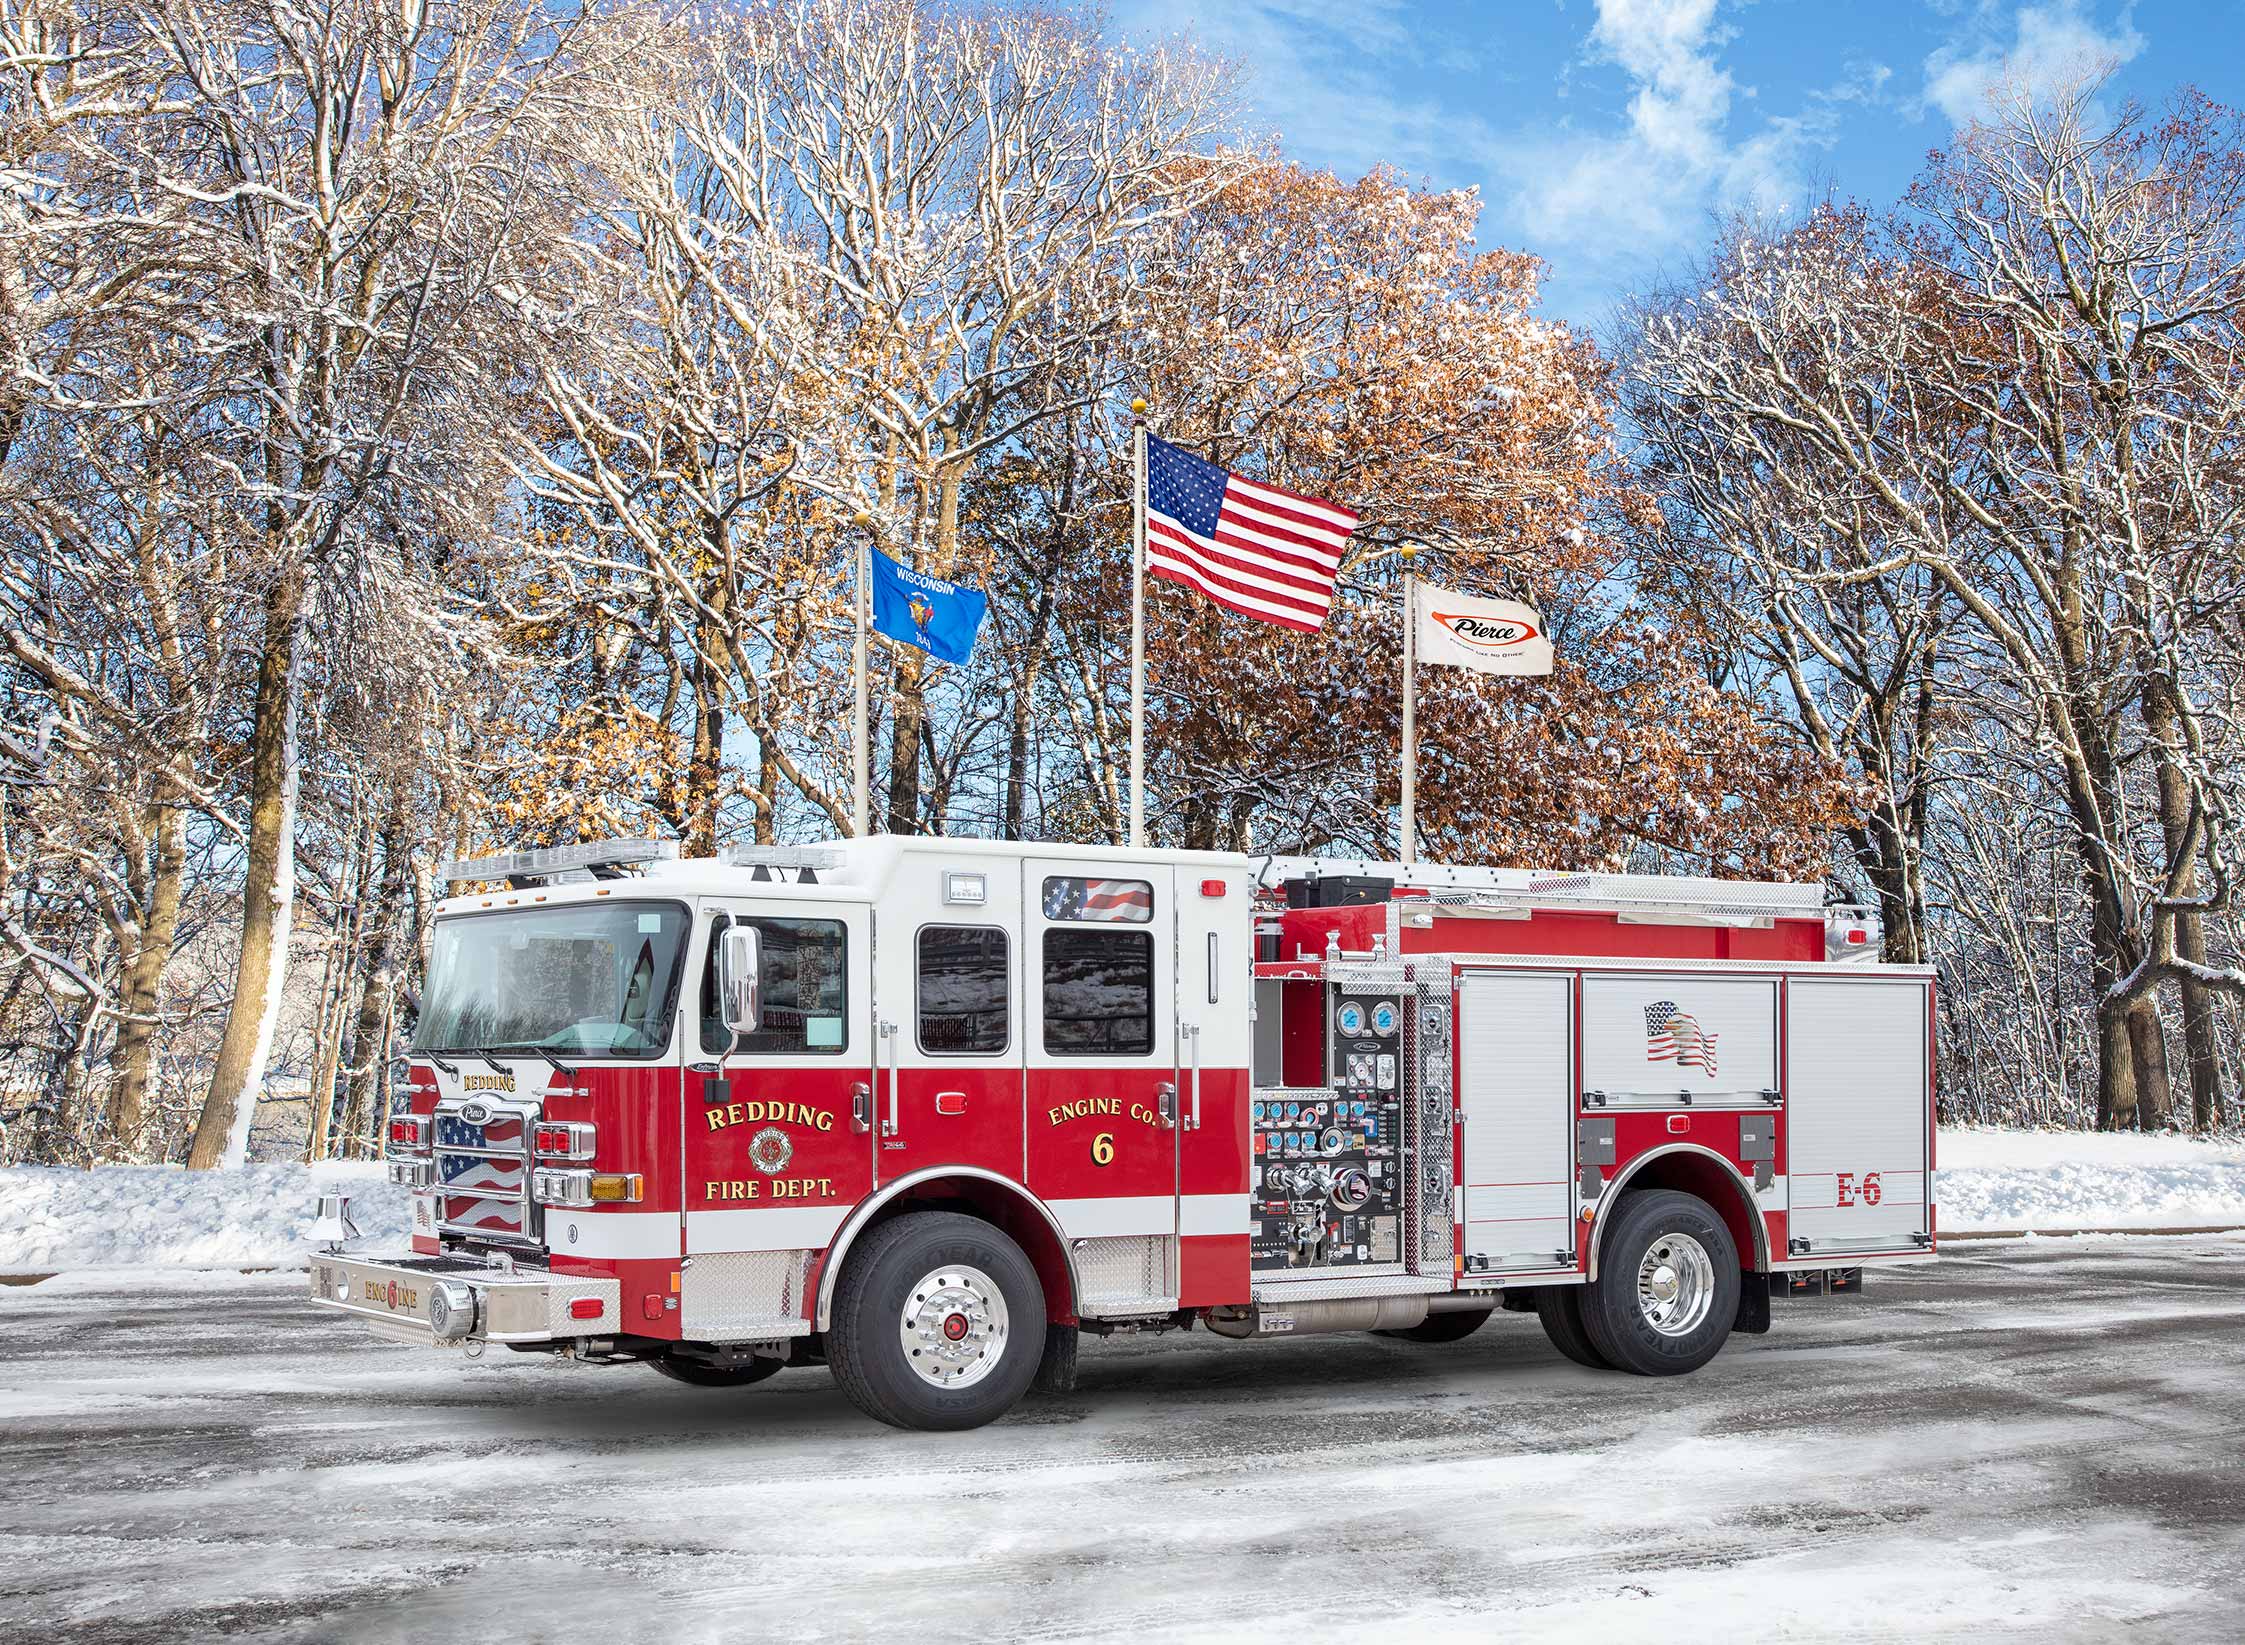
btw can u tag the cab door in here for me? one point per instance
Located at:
(778, 1141)
(948, 1074)
(1102, 1064)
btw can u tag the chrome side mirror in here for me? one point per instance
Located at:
(740, 979)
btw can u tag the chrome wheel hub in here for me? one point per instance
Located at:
(954, 1327)
(1676, 1285)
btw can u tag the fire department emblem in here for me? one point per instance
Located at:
(770, 1150)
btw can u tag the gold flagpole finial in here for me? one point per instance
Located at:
(1138, 408)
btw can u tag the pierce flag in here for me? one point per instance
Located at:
(1493, 636)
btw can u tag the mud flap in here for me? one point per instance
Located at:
(1753, 1306)
(1056, 1370)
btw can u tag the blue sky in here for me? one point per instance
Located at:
(1604, 135)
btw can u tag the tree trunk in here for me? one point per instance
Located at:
(377, 981)
(2201, 1041)
(2147, 1043)
(133, 1060)
(268, 888)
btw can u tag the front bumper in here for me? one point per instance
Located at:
(524, 1304)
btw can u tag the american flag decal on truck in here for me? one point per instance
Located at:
(1675, 1036)
(1069, 898)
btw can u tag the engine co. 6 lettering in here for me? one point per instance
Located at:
(1100, 1108)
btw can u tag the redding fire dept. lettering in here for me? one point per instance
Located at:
(738, 1188)
(487, 1082)
(770, 1113)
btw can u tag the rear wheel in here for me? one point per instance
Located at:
(704, 1375)
(1444, 1327)
(1667, 1286)
(939, 1322)
(1560, 1309)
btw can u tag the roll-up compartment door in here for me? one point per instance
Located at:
(1855, 1114)
(1515, 1082)
(1652, 1041)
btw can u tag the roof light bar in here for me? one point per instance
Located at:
(783, 856)
(549, 860)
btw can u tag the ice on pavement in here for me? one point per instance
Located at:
(260, 1216)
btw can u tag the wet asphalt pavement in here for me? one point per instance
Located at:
(2039, 1440)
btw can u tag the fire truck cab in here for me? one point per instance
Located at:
(923, 1110)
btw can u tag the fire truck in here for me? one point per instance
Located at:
(925, 1110)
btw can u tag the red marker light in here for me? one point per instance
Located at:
(585, 1308)
(1859, 936)
(1212, 888)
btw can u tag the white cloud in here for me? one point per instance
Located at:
(2049, 45)
(1618, 195)
(1325, 74)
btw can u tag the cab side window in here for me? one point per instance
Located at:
(963, 991)
(805, 973)
(1098, 992)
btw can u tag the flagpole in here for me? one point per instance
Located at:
(859, 800)
(1138, 624)
(1410, 553)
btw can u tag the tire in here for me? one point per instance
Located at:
(716, 1376)
(1560, 1309)
(1443, 1327)
(1680, 1316)
(975, 1308)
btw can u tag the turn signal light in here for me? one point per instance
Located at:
(614, 1188)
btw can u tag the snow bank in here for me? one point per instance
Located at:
(1991, 1179)
(130, 1216)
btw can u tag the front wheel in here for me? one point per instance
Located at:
(939, 1322)
(1667, 1286)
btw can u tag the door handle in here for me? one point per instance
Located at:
(861, 1106)
(888, 1126)
(1191, 1031)
(1165, 1104)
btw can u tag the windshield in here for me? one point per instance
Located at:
(588, 978)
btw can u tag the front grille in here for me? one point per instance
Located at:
(483, 1171)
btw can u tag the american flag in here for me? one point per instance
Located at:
(1250, 547)
(1675, 1036)
(1106, 900)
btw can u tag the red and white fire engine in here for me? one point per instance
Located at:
(923, 1110)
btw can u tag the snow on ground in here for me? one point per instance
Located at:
(129, 1216)
(2087, 1179)
(134, 1216)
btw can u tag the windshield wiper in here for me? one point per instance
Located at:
(526, 1048)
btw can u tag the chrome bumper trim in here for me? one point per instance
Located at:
(528, 1304)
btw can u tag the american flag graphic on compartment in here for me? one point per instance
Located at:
(1069, 898)
(1675, 1036)
(480, 1172)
